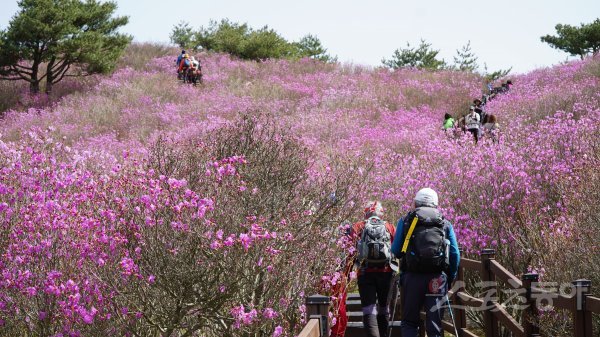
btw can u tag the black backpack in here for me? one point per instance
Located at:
(427, 248)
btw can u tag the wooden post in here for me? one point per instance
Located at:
(317, 306)
(582, 319)
(460, 311)
(488, 277)
(531, 319)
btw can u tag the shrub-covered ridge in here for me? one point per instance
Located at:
(130, 208)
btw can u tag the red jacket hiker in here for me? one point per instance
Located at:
(373, 283)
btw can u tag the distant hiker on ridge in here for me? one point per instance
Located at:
(472, 123)
(478, 105)
(490, 127)
(178, 62)
(448, 123)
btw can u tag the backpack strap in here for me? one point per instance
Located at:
(409, 233)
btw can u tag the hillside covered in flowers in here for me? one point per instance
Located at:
(145, 207)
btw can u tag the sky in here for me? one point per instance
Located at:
(503, 33)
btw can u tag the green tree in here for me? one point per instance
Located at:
(47, 38)
(422, 57)
(247, 43)
(494, 75)
(265, 43)
(228, 37)
(183, 35)
(465, 60)
(576, 40)
(311, 46)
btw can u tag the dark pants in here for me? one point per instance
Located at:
(374, 288)
(427, 291)
(475, 133)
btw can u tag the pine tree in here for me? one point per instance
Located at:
(310, 46)
(422, 57)
(48, 39)
(465, 60)
(576, 40)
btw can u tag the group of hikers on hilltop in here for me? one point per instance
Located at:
(188, 68)
(477, 121)
(426, 245)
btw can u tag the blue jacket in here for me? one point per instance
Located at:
(454, 252)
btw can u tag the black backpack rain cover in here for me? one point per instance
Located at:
(428, 247)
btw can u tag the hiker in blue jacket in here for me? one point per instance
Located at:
(427, 245)
(179, 57)
(178, 62)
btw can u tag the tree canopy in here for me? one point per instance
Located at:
(48, 39)
(310, 46)
(425, 57)
(245, 42)
(421, 57)
(465, 59)
(577, 41)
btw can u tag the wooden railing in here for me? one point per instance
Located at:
(311, 329)
(580, 303)
(317, 312)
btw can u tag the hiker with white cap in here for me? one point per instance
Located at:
(427, 245)
(473, 123)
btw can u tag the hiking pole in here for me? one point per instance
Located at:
(394, 293)
(451, 315)
(396, 286)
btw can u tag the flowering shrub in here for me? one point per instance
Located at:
(148, 208)
(206, 251)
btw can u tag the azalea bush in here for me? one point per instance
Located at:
(143, 207)
(192, 239)
(243, 268)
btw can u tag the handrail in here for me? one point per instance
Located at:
(448, 327)
(466, 333)
(311, 329)
(472, 265)
(592, 304)
(467, 299)
(558, 300)
(580, 303)
(504, 275)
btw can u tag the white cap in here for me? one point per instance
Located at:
(426, 197)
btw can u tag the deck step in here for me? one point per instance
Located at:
(355, 325)
(353, 297)
(354, 316)
(353, 305)
(355, 329)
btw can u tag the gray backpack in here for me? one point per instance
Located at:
(374, 246)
